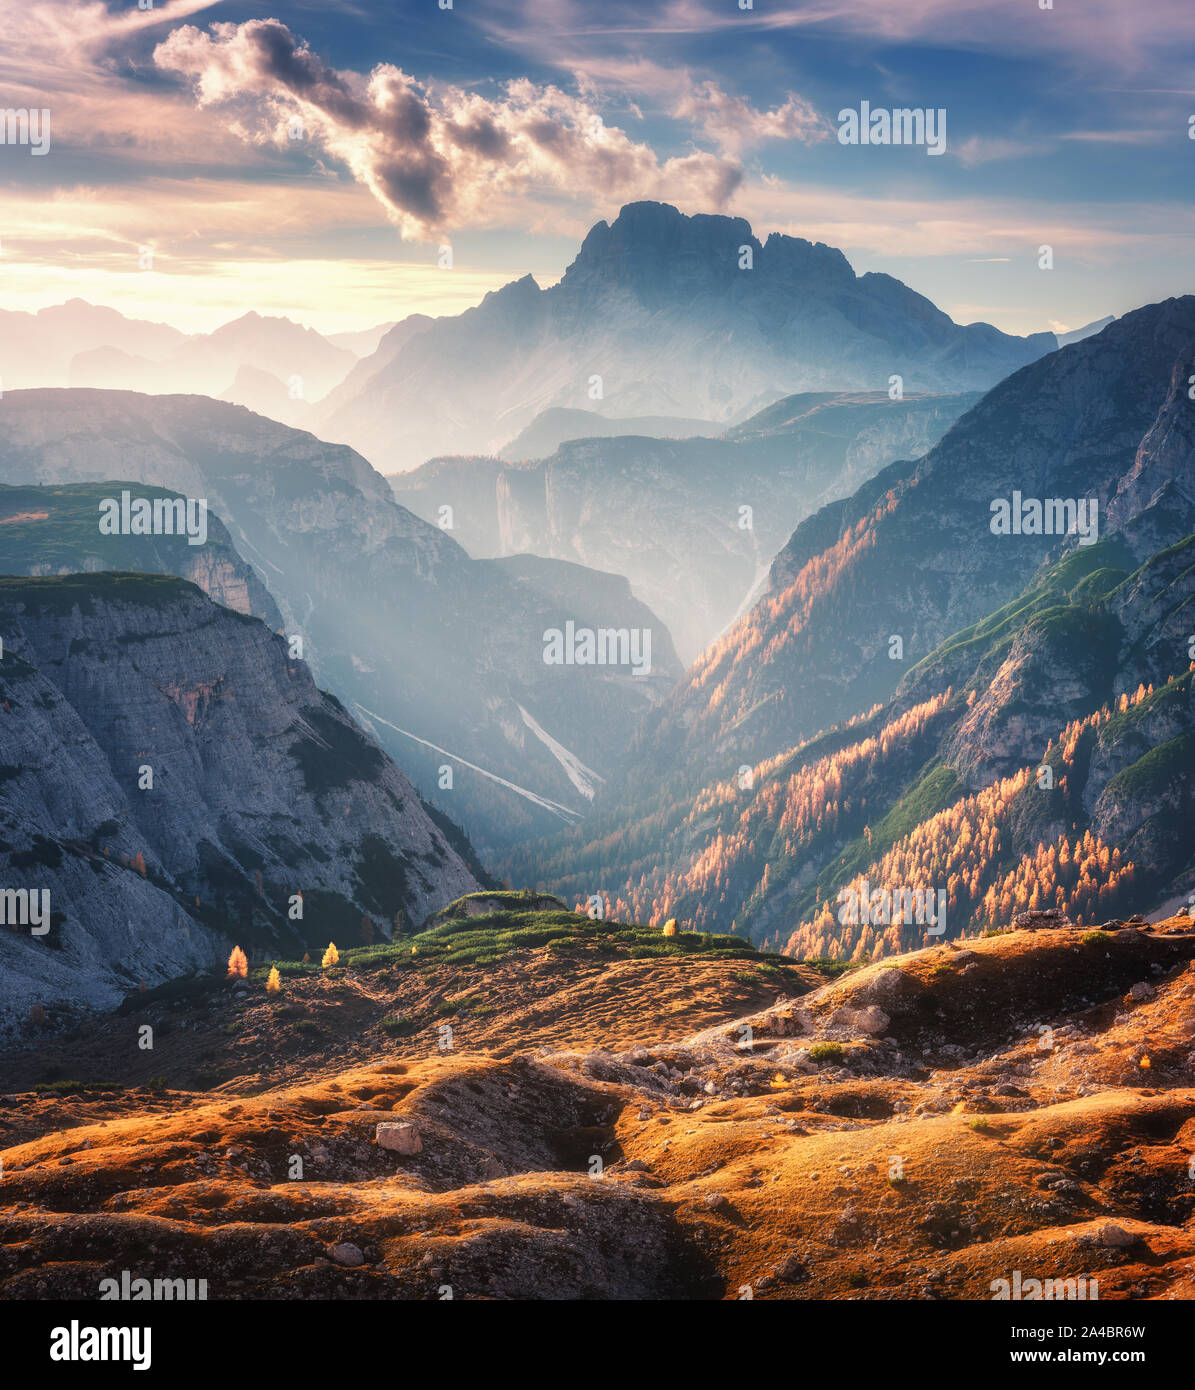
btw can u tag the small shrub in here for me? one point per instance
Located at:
(238, 964)
(835, 967)
(826, 1052)
(331, 955)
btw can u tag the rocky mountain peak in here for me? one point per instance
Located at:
(658, 254)
(515, 296)
(683, 324)
(796, 254)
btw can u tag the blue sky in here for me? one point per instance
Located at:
(504, 128)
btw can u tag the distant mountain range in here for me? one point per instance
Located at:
(693, 523)
(602, 343)
(442, 654)
(555, 426)
(267, 364)
(660, 314)
(871, 659)
(270, 364)
(1089, 330)
(896, 692)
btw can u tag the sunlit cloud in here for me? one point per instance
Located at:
(67, 56)
(434, 156)
(734, 125)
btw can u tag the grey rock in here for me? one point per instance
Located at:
(400, 1138)
(346, 1254)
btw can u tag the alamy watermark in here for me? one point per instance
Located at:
(1017, 1289)
(130, 1289)
(1053, 516)
(159, 516)
(919, 125)
(78, 1342)
(603, 646)
(26, 126)
(865, 905)
(26, 907)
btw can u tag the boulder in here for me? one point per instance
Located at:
(1114, 1236)
(402, 1139)
(1041, 920)
(346, 1254)
(870, 1019)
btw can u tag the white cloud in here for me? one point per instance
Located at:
(981, 149)
(734, 125)
(435, 156)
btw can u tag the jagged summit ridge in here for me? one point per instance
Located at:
(660, 313)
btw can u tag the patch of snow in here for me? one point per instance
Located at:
(566, 813)
(578, 774)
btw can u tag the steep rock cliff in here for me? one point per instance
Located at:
(177, 782)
